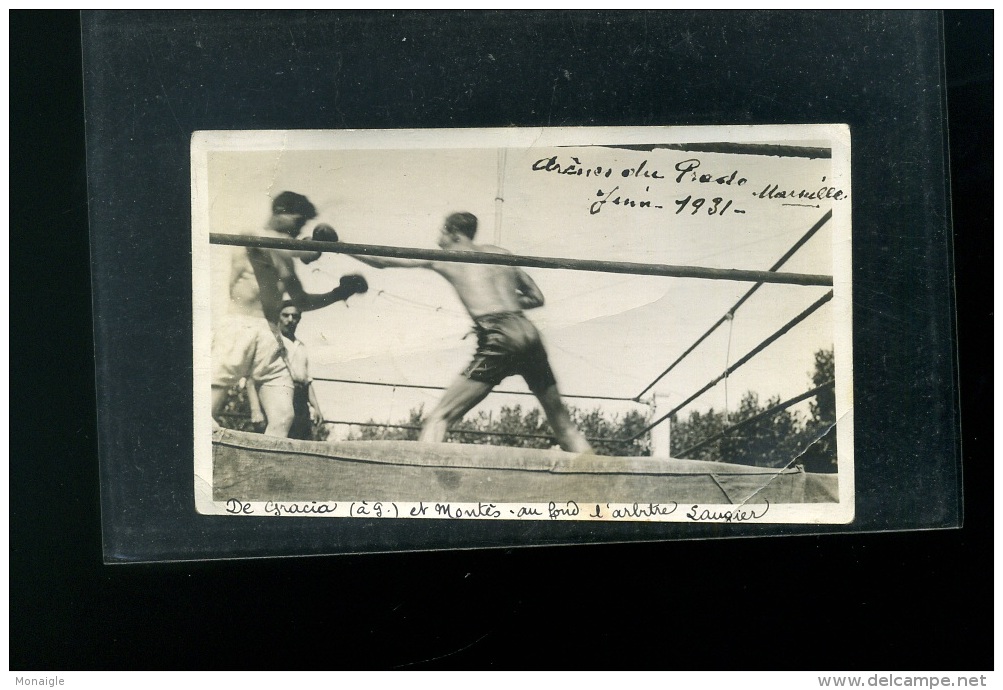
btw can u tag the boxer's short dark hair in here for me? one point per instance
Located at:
(463, 223)
(291, 202)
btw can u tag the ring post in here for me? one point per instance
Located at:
(661, 435)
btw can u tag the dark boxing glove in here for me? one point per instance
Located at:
(325, 233)
(355, 283)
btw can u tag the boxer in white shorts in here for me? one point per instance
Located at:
(246, 344)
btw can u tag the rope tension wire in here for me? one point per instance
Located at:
(752, 353)
(780, 262)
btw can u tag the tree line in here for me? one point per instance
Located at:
(782, 438)
(526, 428)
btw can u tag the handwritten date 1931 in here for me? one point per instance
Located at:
(713, 207)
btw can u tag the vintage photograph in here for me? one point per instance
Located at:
(611, 324)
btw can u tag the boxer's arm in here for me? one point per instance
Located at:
(311, 390)
(388, 262)
(306, 301)
(285, 256)
(527, 292)
(314, 402)
(257, 416)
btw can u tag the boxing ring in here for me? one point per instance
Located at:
(251, 466)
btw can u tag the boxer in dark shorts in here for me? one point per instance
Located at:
(495, 296)
(508, 344)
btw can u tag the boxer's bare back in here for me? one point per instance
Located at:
(484, 289)
(490, 288)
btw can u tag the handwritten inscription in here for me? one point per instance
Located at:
(634, 511)
(373, 509)
(712, 207)
(742, 514)
(616, 199)
(483, 510)
(823, 191)
(237, 507)
(569, 509)
(693, 187)
(687, 172)
(576, 168)
(643, 511)
(554, 510)
(312, 508)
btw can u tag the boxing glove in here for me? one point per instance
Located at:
(354, 282)
(325, 233)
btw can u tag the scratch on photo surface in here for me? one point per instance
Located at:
(443, 656)
(278, 163)
(818, 437)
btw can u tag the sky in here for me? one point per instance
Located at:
(607, 334)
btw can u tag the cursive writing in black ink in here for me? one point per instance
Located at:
(577, 169)
(482, 510)
(375, 509)
(713, 209)
(773, 191)
(642, 511)
(570, 509)
(618, 200)
(736, 515)
(640, 171)
(687, 168)
(236, 507)
(574, 168)
(312, 508)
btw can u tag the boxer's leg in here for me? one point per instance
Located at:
(568, 435)
(277, 404)
(459, 398)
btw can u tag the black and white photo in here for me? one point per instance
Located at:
(545, 324)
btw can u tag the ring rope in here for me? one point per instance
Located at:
(755, 418)
(664, 270)
(761, 278)
(752, 353)
(326, 379)
(727, 362)
(416, 304)
(473, 432)
(780, 262)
